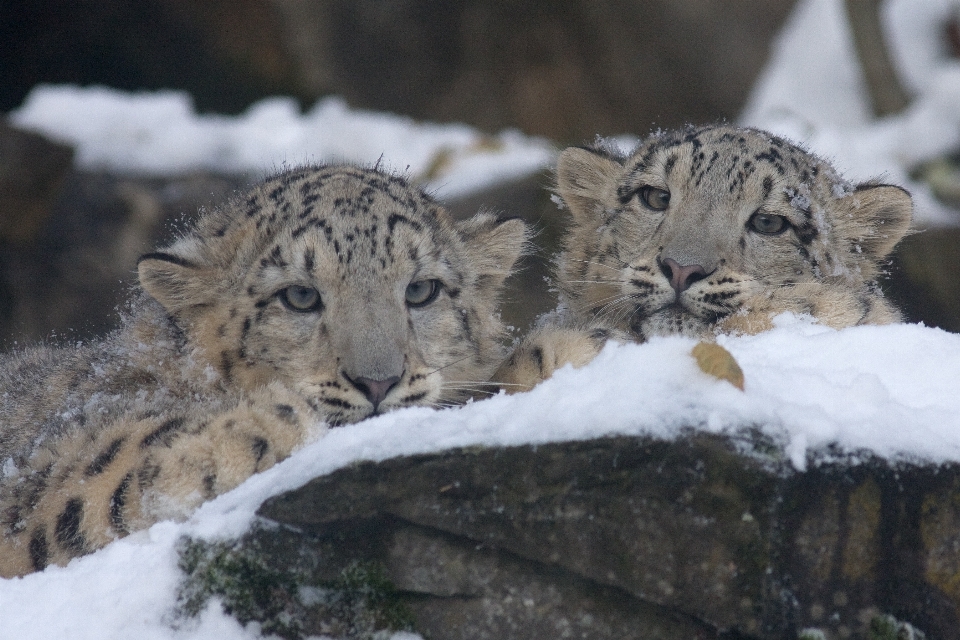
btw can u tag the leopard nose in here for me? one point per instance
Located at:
(681, 277)
(374, 390)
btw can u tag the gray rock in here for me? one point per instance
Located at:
(69, 277)
(32, 169)
(705, 537)
(923, 280)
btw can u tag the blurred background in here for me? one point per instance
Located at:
(565, 69)
(559, 73)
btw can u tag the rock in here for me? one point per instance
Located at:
(923, 280)
(72, 276)
(226, 53)
(707, 536)
(568, 69)
(527, 292)
(622, 525)
(32, 169)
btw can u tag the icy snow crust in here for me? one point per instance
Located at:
(813, 91)
(159, 133)
(891, 390)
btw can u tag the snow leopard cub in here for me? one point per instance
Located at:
(323, 296)
(707, 230)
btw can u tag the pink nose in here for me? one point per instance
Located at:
(374, 390)
(681, 276)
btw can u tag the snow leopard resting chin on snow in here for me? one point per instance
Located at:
(709, 230)
(324, 295)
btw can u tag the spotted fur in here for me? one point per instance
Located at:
(717, 229)
(323, 296)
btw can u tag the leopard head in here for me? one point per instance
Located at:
(346, 284)
(697, 225)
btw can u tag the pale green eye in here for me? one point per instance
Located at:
(300, 298)
(767, 224)
(656, 199)
(422, 292)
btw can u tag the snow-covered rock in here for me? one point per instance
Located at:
(887, 390)
(159, 133)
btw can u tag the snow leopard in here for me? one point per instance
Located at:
(706, 230)
(324, 295)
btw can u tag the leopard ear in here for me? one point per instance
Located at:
(174, 281)
(494, 245)
(881, 215)
(586, 180)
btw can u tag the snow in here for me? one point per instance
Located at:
(890, 390)
(812, 91)
(159, 133)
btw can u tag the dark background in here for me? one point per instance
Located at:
(566, 69)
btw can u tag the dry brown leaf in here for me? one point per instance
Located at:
(717, 361)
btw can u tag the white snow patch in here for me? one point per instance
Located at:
(159, 133)
(889, 389)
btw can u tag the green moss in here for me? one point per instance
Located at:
(886, 627)
(248, 588)
(360, 604)
(881, 627)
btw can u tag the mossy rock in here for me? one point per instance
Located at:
(709, 536)
(289, 602)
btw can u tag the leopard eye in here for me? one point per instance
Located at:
(656, 199)
(300, 298)
(767, 224)
(422, 292)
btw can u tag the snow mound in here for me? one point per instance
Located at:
(159, 133)
(890, 390)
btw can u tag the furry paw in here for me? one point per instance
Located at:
(546, 350)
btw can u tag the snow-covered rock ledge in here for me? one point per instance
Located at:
(702, 536)
(827, 491)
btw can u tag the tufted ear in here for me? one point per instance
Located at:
(586, 180)
(494, 244)
(881, 214)
(173, 281)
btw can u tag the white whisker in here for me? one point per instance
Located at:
(489, 392)
(595, 281)
(612, 307)
(595, 263)
(448, 365)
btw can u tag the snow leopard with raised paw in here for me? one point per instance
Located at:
(323, 296)
(706, 230)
